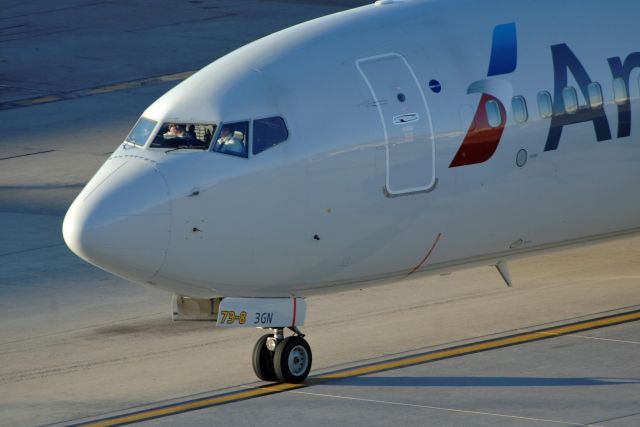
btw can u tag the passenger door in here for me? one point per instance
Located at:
(406, 123)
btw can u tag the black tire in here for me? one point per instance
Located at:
(292, 360)
(262, 360)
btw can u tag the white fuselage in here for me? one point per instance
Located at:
(340, 203)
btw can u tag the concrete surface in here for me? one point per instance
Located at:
(51, 47)
(587, 379)
(76, 342)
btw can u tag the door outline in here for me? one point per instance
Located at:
(434, 181)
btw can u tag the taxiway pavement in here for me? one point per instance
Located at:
(587, 379)
(78, 342)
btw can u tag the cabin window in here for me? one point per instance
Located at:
(595, 95)
(141, 132)
(545, 106)
(176, 135)
(620, 94)
(268, 133)
(570, 98)
(519, 108)
(233, 139)
(493, 114)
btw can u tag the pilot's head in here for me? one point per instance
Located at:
(176, 129)
(225, 132)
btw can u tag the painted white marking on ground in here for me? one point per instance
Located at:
(591, 338)
(463, 411)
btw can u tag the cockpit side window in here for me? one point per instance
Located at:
(141, 132)
(194, 136)
(268, 133)
(233, 139)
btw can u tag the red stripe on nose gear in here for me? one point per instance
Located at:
(293, 322)
(481, 140)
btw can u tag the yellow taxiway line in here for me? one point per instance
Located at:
(176, 408)
(191, 405)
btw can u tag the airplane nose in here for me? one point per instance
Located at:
(120, 221)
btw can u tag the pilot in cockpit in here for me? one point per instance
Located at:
(236, 143)
(224, 137)
(176, 131)
(231, 141)
(177, 136)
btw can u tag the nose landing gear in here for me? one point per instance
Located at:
(287, 360)
(274, 358)
(262, 360)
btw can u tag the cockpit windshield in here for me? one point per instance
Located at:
(184, 135)
(140, 133)
(230, 137)
(233, 139)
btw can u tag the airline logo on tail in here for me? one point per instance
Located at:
(482, 139)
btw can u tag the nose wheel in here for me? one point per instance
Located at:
(286, 360)
(262, 360)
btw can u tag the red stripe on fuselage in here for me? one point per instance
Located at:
(481, 140)
(427, 256)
